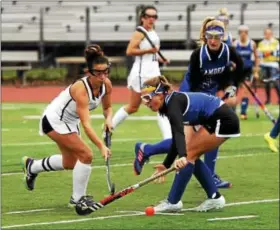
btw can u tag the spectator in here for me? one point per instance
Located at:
(268, 61)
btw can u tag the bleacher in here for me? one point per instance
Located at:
(115, 21)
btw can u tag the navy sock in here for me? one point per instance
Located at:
(180, 183)
(244, 105)
(204, 176)
(276, 129)
(210, 159)
(158, 148)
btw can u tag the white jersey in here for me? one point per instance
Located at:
(62, 113)
(145, 66)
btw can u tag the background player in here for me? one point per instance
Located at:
(247, 49)
(145, 66)
(272, 135)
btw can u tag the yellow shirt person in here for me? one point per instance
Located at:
(267, 47)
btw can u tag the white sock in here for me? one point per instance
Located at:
(164, 126)
(81, 174)
(119, 117)
(52, 163)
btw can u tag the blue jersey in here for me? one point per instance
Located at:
(228, 41)
(199, 107)
(210, 69)
(246, 52)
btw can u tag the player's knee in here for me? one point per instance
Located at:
(85, 157)
(69, 162)
(131, 109)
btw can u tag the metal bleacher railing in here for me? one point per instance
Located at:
(84, 21)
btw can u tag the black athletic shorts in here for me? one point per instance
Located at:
(248, 74)
(223, 122)
(46, 125)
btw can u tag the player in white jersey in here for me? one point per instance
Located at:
(60, 122)
(145, 66)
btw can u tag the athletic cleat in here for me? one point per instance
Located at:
(210, 204)
(29, 178)
(271, 142)
(140, 158)
(220, 183)
(72, 203)
(166, 206)
(86, 205)
(243, 116)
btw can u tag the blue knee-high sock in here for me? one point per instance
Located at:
(244, 105)
(180, 183)
(276, 129)
(158, 148)
(210, 159)
(204, 176)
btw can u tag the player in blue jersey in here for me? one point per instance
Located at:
(271, 137)
(247, 49)
(223, 16)
(218, 123)
(213, 66)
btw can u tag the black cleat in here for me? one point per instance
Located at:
(86, 205)
(29, 178)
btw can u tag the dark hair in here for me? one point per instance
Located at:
(143, 11)
(95, 55)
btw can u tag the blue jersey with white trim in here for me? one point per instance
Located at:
(246, 52)
(200, 106)
(228, 41)
(211, 69)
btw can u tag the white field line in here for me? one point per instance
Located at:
(100, 116)
(52, 143)
(28, 211)
(152, 162)
(232, 218)
(42, 106)
(113, 140)
(242, 203)
(158, 213)
(71, 221)
(133, 213)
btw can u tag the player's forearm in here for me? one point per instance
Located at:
(108, 113)
(92, 135)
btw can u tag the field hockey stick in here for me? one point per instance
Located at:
(267, 113)
(107, 140)
(142, 30)
(109, 199)
(254, 84)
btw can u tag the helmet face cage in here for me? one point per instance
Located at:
(158, 90)
(97, 73)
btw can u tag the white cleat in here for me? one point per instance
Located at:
(165, 206)
(211, 204)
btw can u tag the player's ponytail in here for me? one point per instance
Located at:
(94, 55)
(155, 81)
(203, 29)
(223, 12)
